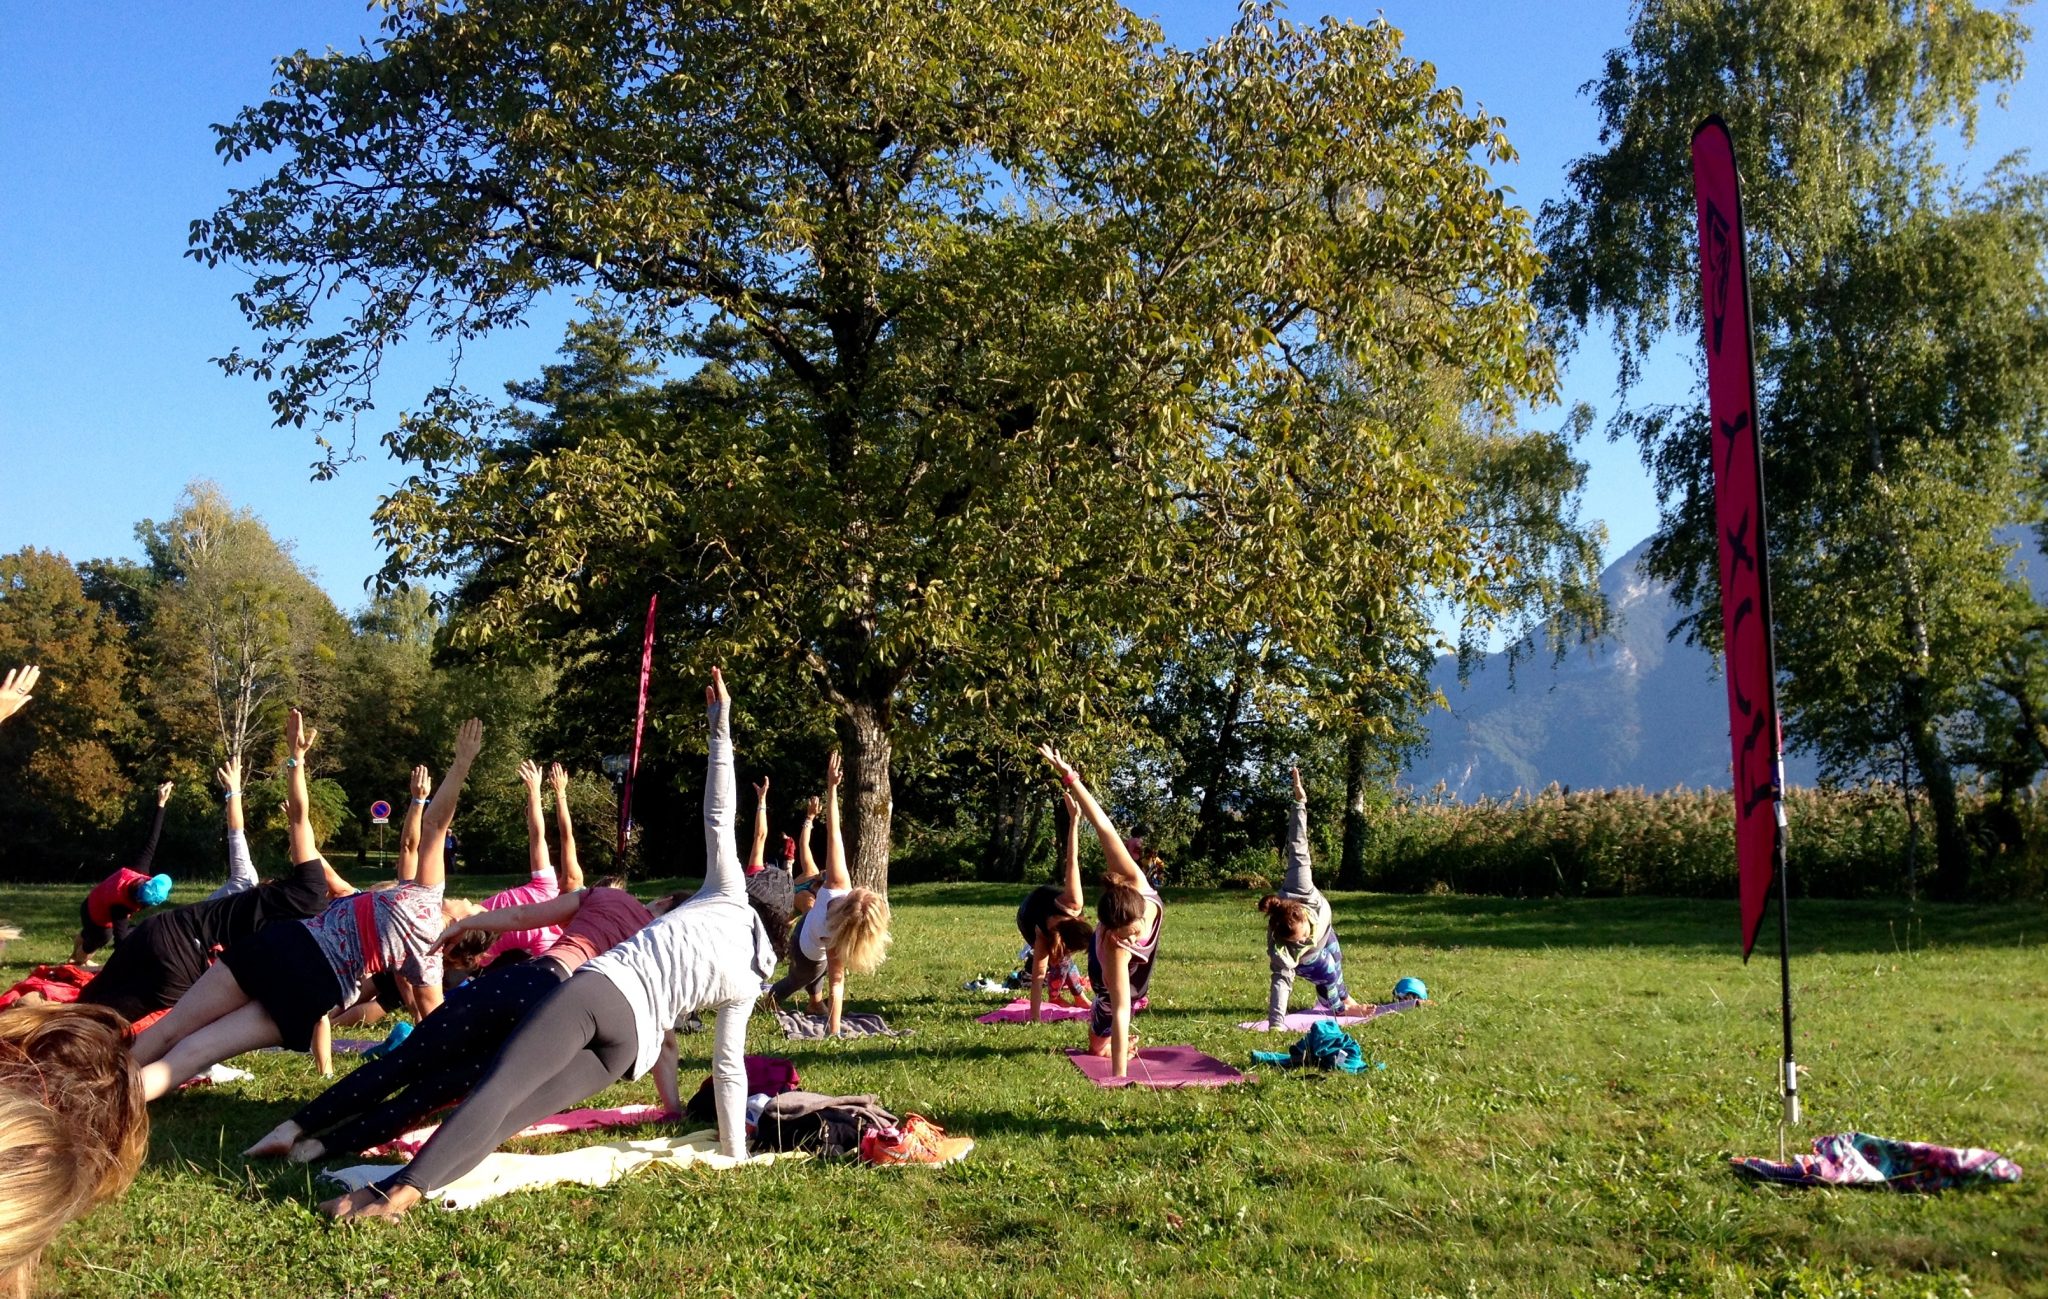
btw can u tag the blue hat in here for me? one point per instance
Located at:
(154, 890)
(1411, 987)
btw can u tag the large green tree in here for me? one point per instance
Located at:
(63, 783)
(1902, 346)
(1010, 328)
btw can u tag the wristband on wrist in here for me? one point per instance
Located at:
(289, 763)
(231, 794)
(419, 802)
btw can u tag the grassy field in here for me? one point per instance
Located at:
(1557, 1124)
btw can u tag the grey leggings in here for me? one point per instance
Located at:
(576, 1043)
(803, 973)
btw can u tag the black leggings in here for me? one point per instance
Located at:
(445, 1057)
(576, 1043)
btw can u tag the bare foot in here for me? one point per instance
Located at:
(276, 1144)
(306, 1150)
(1098, 1045)
(371, 1202)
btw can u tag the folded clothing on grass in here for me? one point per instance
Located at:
(1859, 1159)
(852, 1024)
(503, 1173)
(625, 1116)
(1163, 1067)
(1324, 1046)
(819, 1124)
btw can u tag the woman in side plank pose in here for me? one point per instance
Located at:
(277, 986)
(1128, 917)
(846, 928)
(613, 1017)
(1051, 922)
(1300, 936)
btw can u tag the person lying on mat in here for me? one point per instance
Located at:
(1051, 922)
(1129, 916)
(613, 1018)
(165, 955)
(846, 928)
(277, 986)
(1300, 935)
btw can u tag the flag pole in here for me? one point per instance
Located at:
(639, 724)
(1735, 453)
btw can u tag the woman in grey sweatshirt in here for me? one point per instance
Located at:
(614, 1017)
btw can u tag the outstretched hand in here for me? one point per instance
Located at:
(558, 776)
(1300, 795)
(529, 775)
(469, 740)
(298, 736)
(1061, 767)
(811, 808)
(761, 790)
(448, 935)
(422, 782)
(17, 689)
(1073, 808)
(163, 792)
(834, 772)
(715, 694)
(230, 776)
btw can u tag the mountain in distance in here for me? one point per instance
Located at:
(1636, 708)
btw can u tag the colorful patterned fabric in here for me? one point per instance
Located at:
(1859, 1159)
(402, 923)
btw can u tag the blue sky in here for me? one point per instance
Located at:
(109, 403)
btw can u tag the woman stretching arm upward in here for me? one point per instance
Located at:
(612, 1019)
(1050, 920)
(846, 927)
(273, 987)
(1128, 916)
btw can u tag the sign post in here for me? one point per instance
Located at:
(380, 816)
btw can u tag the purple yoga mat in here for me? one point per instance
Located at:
(1301, 1021)
(1162, 1067)
(1019, 1012)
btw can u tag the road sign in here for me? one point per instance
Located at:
(380, 813)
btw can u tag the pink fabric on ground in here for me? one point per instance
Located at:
(540, 887)
(625, 1116)
(1019, 1012)
(1301, 1021)
(1161, 1067)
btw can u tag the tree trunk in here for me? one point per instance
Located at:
(1351, 872)
(1937, 777)
(1207, 833)
(867, 801)
(1015, 825)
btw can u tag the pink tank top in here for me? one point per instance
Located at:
(606, 918)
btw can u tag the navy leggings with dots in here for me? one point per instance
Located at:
(441, 1062)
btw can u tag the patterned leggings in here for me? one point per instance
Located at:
(1325, 968)
(437, 1066)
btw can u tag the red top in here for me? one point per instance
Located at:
(116, 890)
(606, 918)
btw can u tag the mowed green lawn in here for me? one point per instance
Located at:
(1559, 1122)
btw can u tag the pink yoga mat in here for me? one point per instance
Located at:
(625, 1116)
(1162, 1067)
(1019, 1012)
(1301, 1021)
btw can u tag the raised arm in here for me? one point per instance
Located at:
(298, 739)
(835, 846)
(156, 828)
(537, 863)
(241, 869)
(440, 814)
(1119, 866)
(803, 844)
(1070, 895)
(571, 877)
(17, 689)
(409, 832)
(759, 856)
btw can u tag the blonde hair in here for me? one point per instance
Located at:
(859, 932)
(73, 1125)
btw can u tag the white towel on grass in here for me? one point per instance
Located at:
(504, 1172)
